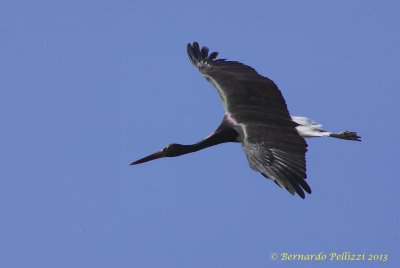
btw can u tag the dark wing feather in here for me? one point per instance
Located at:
(257, 110)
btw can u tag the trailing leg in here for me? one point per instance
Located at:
(346, 135)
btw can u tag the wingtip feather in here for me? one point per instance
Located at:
(197, 54)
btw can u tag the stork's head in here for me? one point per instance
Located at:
(171, 150)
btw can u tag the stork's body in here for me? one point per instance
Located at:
(255, 115)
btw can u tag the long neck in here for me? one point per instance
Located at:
(226, 135)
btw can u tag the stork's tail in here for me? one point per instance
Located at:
(308, 128)
(346, 135)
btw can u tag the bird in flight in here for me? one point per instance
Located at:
(256, 115)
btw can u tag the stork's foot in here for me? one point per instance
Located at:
(346, 135)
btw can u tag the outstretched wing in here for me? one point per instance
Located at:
(256, 109)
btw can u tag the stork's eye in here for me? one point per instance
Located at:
(168, 147)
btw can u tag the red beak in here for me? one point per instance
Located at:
(154, 156)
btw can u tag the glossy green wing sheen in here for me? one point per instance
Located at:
(257, 111)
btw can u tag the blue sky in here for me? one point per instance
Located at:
(89, 86)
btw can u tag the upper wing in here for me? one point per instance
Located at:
(256, 109)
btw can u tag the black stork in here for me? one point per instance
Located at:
(257, 116)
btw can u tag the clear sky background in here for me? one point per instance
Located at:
(86, 87)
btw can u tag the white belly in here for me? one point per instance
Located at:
(308, 128)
